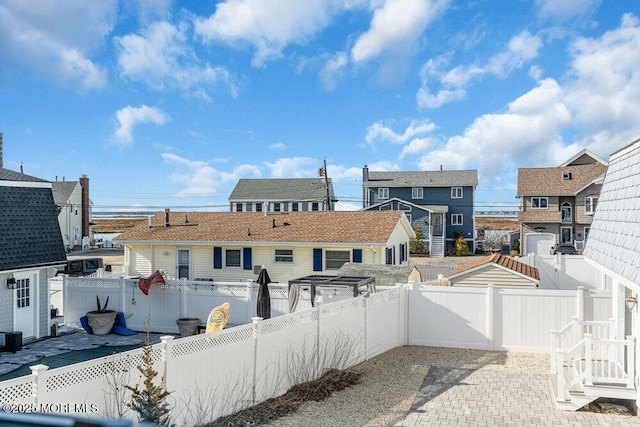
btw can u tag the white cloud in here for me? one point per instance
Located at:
(56, 39)
(566, 9)
(396, 26)
(129, 117)
(333, 70)
(293, 167)
(450, 84)
(199, 179)
(161, 57)
(266, 25)
(277, 146)
(379, 132)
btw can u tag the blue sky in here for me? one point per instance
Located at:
(169, 103)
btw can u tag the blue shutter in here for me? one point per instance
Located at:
(217, 257)
(317, 259)
(357, 255)
(246, 259)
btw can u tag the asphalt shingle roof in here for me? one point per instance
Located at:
(280, 189)
(62, 191)
(446, 178)
(9, 175)
(29, 230)
(366, 227)
(550, 182)
(504, 261)
(614, 238)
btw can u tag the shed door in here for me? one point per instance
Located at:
(184, 263)
(24, 303)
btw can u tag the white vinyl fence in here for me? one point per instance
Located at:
(489, 318)
(211, 375)
(565, 271)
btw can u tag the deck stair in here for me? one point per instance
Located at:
(437, 247)
(593, 366)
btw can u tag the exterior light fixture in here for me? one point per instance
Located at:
(11, 282)
(631, 302)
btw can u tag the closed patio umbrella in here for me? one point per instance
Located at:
(264, 300)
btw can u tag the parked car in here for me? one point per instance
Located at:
(565, 249)
(81, 267)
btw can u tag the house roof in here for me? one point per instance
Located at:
(447, 178)
(280, 189)
(427, 208)
(116, 224)
(499, 260)
(29, 230)
(62, 191)
(497, 224)
(9, 175)
(550, 181)
(361, 227)
(583, 157)
(614, 238)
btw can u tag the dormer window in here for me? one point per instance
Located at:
(566, 175)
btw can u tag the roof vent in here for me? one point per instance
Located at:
(566, 175)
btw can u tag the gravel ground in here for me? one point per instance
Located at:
(390, 381)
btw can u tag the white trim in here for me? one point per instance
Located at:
(25, 184)
(579, 154)
(540, 198)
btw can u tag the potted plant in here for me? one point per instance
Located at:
(101, 320)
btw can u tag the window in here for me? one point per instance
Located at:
(335, 259)
(23, 298)
(590, 203)
(259, 207)
(276, 207)
(314, 206)
(238, 207)
(539, 203)
(417, 193)
(383, 193)
(456, 219)
(295, 207)
(232, 258)
(456, 192)
(565, 210)
(566, 175)
(284, 255)
(408, 217)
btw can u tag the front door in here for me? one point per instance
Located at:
(25, 307)
(437, 224)
(566, 235)
(184, 264)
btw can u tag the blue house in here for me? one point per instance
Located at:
(440, 202)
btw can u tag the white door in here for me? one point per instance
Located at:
(25, 306)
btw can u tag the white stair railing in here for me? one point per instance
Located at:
(573, 332)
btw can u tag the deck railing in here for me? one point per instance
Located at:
(594, 361)
(572, 333)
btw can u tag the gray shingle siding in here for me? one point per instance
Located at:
(615, 230)
(29, 229)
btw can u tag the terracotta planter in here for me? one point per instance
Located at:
(188, 326)
(101, 322)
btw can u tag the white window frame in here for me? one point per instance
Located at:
(226, 258)
(335, 260)
(457, 192)
(590, 204)
(417, 193)
(566, 213)
(383, 193)
(284, 258)
(540, 199)
(459, 219)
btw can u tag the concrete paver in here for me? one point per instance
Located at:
(488, 397)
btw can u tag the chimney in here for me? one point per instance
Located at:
(84, 184)
(365, 174)
(166, 218)
(1, 166)
(440, 168)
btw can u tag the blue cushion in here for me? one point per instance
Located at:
(85, 324)
(123, 330)
(120, 320)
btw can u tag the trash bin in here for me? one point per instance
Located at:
(12, 341)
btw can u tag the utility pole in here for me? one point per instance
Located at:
(326, 184)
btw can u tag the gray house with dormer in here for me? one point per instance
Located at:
(282, 195)
(31, 250)
(440, 202)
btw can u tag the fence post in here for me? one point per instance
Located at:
(631, 361)
(182, 284)
(580, 306)
(165, 356)
(588, 359)
(403, 321)
(123, 289)
(38, 387)
(255, 333)
(365, 299)
(251, 304)
(490, 307)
